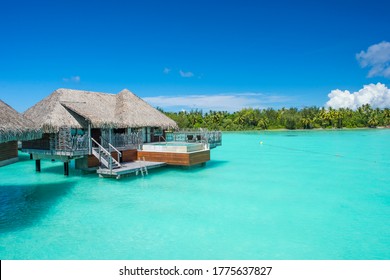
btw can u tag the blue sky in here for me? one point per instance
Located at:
(191, 54)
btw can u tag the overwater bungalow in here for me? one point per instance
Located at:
(13, 128)
(101, 129)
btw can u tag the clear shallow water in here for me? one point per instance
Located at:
(299, 195)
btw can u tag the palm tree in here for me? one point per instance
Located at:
(263, 123)
(373, 120)
(306, 123)
(386, 116)
(324, 118)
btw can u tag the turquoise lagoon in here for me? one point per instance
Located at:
(299, 195)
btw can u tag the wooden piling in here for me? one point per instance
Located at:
(38, 165)
(66, 168)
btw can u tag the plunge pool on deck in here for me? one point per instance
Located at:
(176, 147)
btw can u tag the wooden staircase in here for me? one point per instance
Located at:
(104, 156)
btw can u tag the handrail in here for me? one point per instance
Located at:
(123, 140)
(212, 138)
(111, 146)
(118, 152)
(108, 153)
(100, 146)
(65, 141)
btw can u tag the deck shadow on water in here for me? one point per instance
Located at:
(216, 163)
(57, 167)
(23, 205)
(161, 171)
(199, 168)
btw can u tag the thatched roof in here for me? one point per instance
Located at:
(67, 107)
(13, 126)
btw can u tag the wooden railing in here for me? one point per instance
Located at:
(74, 143)
(121, 141)
(110, 147)
(104, 156)
(211, 138)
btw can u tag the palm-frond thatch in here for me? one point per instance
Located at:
(133, 111)
(13, 126)
(72, 108)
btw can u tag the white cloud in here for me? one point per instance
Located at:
(75, 79)
(377, 95)
(221, 102)
(166, 70)
(377, 57)
(186, 74)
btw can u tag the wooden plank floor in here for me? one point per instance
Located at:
(128, 168)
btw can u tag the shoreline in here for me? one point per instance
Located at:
(312, 129)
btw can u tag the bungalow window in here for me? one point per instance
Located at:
(75, 131)
(119, 130)
(158, 132)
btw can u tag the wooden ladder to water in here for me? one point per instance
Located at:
(142, 168)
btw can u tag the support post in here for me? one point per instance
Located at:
(66, 168)
(109, 147)
(89, 139)
(38, 165)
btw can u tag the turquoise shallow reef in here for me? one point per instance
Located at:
(298, 195)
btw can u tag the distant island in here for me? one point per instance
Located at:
(291, 118)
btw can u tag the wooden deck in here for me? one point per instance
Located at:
(128, 168)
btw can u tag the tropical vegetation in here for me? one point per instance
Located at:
(292, 118)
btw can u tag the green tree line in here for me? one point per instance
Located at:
(292, 118)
